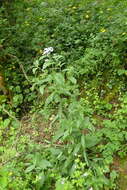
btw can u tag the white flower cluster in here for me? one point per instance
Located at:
(48, 50)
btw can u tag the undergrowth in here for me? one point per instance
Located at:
(64, 125)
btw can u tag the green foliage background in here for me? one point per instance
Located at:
(65, 125)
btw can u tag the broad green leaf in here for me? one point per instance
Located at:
(3, 179)
(6, 122)
(59, 185)
(44, 164)
(55, 151)
(59, 79)
(91, 140)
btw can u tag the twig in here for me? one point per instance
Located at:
(9, 114)
(23, 70)
(21, 66)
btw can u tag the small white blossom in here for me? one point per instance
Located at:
(85, 174)
(46, 60)
(62, 181)
(91, 188)
(48, 50)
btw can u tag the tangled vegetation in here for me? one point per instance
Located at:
(63, 99)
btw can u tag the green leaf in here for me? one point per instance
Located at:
(88, 124)
(41, 180)
(72, 79)
(44, 164)
(6, 123)
(47, 64)
(59, 185)
(59, 134)
(63, 184)
(36, 63)
(41, 89)
(34, 70)
(30, 168)
(91, 140)
(59, 79)
(121, 71)
(83, 141)
(3, 179)
(50, 99)
(55, 151)
(77, 148)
